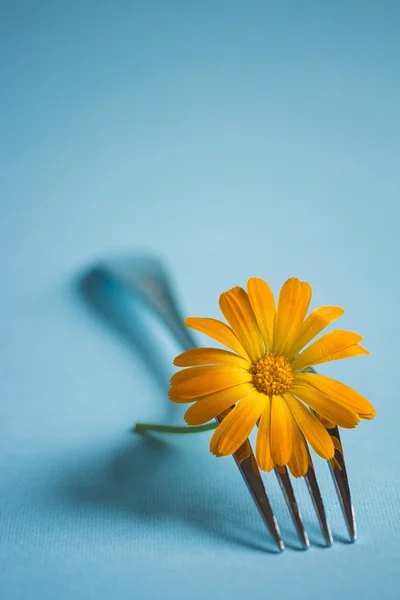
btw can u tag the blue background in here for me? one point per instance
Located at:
(233, 139)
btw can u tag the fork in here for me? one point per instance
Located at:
(147, 280)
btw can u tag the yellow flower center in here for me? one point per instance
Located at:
(272, 374)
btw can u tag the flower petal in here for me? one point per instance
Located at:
(299, 461)
(236, 308)
(263, 303)
(218, 331)
(237, 425)
(263, 443)
(210, 356)
(311, 428)
(325, 422)
(355, 350)
(175, 397)
(335, 412)
(339, 392)
(209, 407)
(280, 431)
(294, 300)
(316, 321)
(200, 381)
(331, 346)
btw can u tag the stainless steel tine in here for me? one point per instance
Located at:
(339, 474)
(315, 493)
(285, 483)
(287, 489)
(146, 278)
(248, 467)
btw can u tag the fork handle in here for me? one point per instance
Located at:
(147, 278)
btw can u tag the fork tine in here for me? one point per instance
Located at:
(251, 475)
(339, 474)
(247, 465)
(315, 493)
(287, 489)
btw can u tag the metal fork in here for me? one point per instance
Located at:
(147, 279)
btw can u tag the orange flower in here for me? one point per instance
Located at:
(268, 377)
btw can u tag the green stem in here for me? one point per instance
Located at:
(145, 427)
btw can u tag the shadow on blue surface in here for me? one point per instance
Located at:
(151, 477)
(153, 483)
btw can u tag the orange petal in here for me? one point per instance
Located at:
(236, 308)
(263, 303)
(339, 392)
(325, 422)
(237, 425)
(200, 381)
(335, 412)
(311, 428)
(294, 300)
(210, 356)
(316, 321)
(299, 461)
(209, 407)
(217, 331)
(280, 430)
(175, 397)
(331, 346)
(263, 444)
(355, 350)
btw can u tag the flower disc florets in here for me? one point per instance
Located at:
(272, 374)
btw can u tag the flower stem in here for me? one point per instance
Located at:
(145, 427)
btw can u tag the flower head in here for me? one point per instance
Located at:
(264, 378)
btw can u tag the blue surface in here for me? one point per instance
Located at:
(233, 139)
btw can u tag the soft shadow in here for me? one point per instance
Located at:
(153, 479)
(150, 476)
(341, 539)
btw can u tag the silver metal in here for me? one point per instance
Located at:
(316, 497)
(252, 476)
(339, 474)
(147, 279)
(287, 489)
